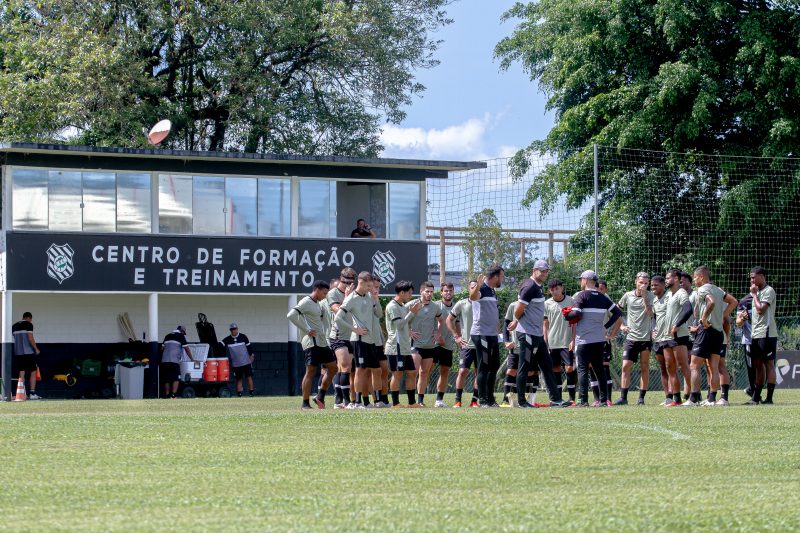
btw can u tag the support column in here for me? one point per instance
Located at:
(8, 345)
(292, 336)
(153, 386)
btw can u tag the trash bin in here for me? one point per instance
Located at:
(129, 379)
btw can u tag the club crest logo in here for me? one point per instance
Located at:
(59, 262)
(782, 367)
(383, 267)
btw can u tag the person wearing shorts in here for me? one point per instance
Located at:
(339, 341)
(447, 344)
(398, 343)
(663, 342)
(559, 335)
(426, 335)
(25, 352)
(172, 348)
(240, 353)
(638, 307)
(709, 307)
(310, 319)
(764, 334)
(512, 360)
(484, 331)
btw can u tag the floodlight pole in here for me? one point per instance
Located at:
(596, 224)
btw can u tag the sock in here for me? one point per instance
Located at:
(344, 386)
(696, 397)
(535, 380)
(365, 399)
(395, 397)
(459, 392)
(377, 396)
(420, 398)
(508, 384)
(624, 393)
(572, 379)
(708, 396)
(321, 395)
(725, 389)
(306, 403)
(757, 392)
(412, 396)
(239, 394)
(712, 396)
(596, 390)
(252, 392)
(686, 396)
(33, 391)
(642, 392)
(609, 387)
(439, 396)
(358, 397)
(770, 391)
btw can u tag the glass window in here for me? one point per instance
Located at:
(404, 213)
(133, 203)
(174, 204)
(29, 199)
(316, 208)
(99, 201)
(240, 206)
(65, 198)
(274, 207)
(208, 204)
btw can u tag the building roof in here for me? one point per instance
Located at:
(238, 157)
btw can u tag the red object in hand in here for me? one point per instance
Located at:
(567, 310)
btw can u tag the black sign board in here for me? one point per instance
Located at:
(787, 369)
(189, 264)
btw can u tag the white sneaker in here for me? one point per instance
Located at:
(34, 397)
(663, 404)
(707, 403)
(532, 398)
(689, 403)
(350, 406)
(382, 405)
(439, 403)
(512, 400)
(371, 406)
(722, 402)
(339, 406)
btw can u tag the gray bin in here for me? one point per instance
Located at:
(130, 382)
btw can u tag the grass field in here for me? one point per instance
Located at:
(262, 464)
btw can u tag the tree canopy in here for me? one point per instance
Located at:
(300, 76)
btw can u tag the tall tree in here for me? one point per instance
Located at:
(300, 76)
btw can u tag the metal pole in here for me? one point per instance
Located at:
(442, 258)
(596, 223)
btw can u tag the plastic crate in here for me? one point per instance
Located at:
(91, 368)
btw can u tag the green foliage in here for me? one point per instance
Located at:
(307, 76)
(486, 243)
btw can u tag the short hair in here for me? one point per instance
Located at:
(360, 220)
(26, 314)
(686, 276)
(602, 282)
(758, 270)
(642, 275)
(555, 282)
(702, 269)
(658, 278)
(348, 273)
(446, 284)
(403, 286)
(364, 276)
(320, 284)
(426, 285)
(675, 272)
(494, 271)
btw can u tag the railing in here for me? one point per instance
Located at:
(444, 236)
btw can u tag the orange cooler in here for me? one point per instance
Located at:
(210, 370)
(223, 369)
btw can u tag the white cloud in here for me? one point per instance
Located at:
(461, 141)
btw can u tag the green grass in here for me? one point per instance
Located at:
(261, 464)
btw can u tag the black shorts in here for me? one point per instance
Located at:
(631, 350)
(379, 354)
(319, 356)
(707, 342)
(401, 363)
(366, 356)
(169, 372)
(659, 346)
(444, 356)
(562, 357)
(512, 362)
(607, 352)
(764, 349)
(723, 350)
(467, 358)
(426, 353)
(336, 344)
(245, 371)
(24, 362)
(684, 341)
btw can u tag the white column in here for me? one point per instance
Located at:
(152, 317)
(5, 361)
(292, 329)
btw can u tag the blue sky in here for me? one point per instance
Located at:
(471, 109)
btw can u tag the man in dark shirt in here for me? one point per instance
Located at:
(170, 367)
(484, 331)
(238, 348)
(25, 352)
(362, 231)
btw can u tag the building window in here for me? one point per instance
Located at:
(99, 202)
(274, 207)
(208, 194)
(65, 197)
(241, 216)
(133, 203)
(175, 204)
(29, 199)
(404, 215)
(316, 208)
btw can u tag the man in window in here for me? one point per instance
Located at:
(362, 231)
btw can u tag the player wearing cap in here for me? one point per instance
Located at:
(173, 347)
(446, 345)
(398, 342)
(426, 335)
(459, 323)
(559, 335)
(709, 307)
(638, 306)
(240, 353)
(764, 334)
(357, 311)
(309, 319)
(484, 331)
(589, 309)
(339, 341)
(528, 323)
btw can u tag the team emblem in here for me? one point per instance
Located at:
(59, 262)
(782, 367)
(383, 267)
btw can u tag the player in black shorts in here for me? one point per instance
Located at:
(459, 322)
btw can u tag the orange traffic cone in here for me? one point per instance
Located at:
(21, 395)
